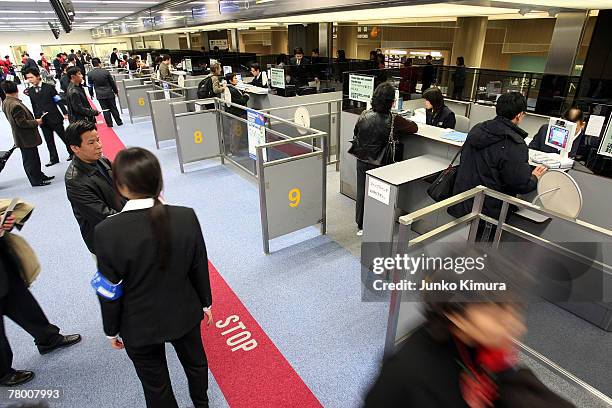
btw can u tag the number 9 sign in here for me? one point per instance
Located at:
(197, 137)
(294, 197)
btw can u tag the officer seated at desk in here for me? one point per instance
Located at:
(573, 114)
(258, 79)
(438, 114)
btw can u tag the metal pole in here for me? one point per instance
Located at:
(329, 112)
(177, 139)
(339, 115)
(500, 224)
(325, 146)
(396, 297)
(220, 132)
(262, 201)
(476, 209)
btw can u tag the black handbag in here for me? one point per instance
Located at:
(392, 151)
(442, 187)
(4, 156)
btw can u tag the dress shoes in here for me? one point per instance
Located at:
(51, 163)
(42, 183)
(17, 378)
(119, 123)
(64, 341)
(70, 158)
(48, 178)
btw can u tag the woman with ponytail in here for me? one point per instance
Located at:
(153, 282)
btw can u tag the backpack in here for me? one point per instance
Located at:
(205, 88)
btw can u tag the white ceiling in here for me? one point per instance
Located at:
(33, 15)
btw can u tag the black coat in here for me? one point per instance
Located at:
(91, 195)
(78, 105)
(371, 133)
(57, 65)
(114, 58)
(103, 83)
(444, 118)
(494, 155)
(64, 84)
(44, 101)
(539, 142)
(157, 305)
(300, 74)
(239, 98)
(425, 373)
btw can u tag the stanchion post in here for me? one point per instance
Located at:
(262, 200)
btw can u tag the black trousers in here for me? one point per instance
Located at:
(109, 106)
(48, 129)
(152, 369)
(362, 167)
(31, 164)
(21, 307)
(458, 93)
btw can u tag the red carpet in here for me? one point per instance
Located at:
(250, 370)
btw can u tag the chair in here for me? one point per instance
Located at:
(463, 123)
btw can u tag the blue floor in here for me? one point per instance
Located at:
(305, 295)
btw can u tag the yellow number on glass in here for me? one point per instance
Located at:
(141, 101)
(197, 137)
(294, 197)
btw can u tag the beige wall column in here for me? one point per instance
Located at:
(279, 42)
(347, 39)
(469, 40)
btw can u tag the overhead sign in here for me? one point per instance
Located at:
(256, 132)
(277, 78)
(368, 32)
(222, 44)
(361, 88)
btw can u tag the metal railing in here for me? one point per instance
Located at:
(478, 194)
(330, 113)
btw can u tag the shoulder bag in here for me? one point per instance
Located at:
(387, 155)
(442, 187)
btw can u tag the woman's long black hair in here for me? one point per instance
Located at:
(139, 171)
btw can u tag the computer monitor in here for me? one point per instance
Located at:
(188, 65)
(239, 77)
(227, 69)
(561, 134)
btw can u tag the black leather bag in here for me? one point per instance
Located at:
(392, 152)
(442, 187)
(4, 156)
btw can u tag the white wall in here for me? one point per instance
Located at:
(171, 41)
(34, 40)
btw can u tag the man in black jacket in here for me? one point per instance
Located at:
(57, 65)
(114, 58)
(106, 89)
(257, 76)
(496, 156)
(78, 104)
(89, 180)
(45, 103)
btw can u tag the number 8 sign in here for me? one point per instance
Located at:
(197, 137)
(294, 197)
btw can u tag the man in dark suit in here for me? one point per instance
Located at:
(257, 76)
(89, 180)
(57, 65)
(25, 133)
(300, 70)
(114, 58)
(80, 62)
(45, 101)
(106, 89)
(78, 104)
(429, 74)
(18, 304)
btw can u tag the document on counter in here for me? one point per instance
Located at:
(455, 136)
(595, 125)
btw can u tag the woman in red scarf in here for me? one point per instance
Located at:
(464, 356)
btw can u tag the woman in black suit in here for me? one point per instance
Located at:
(153, 282)
(438, 114)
